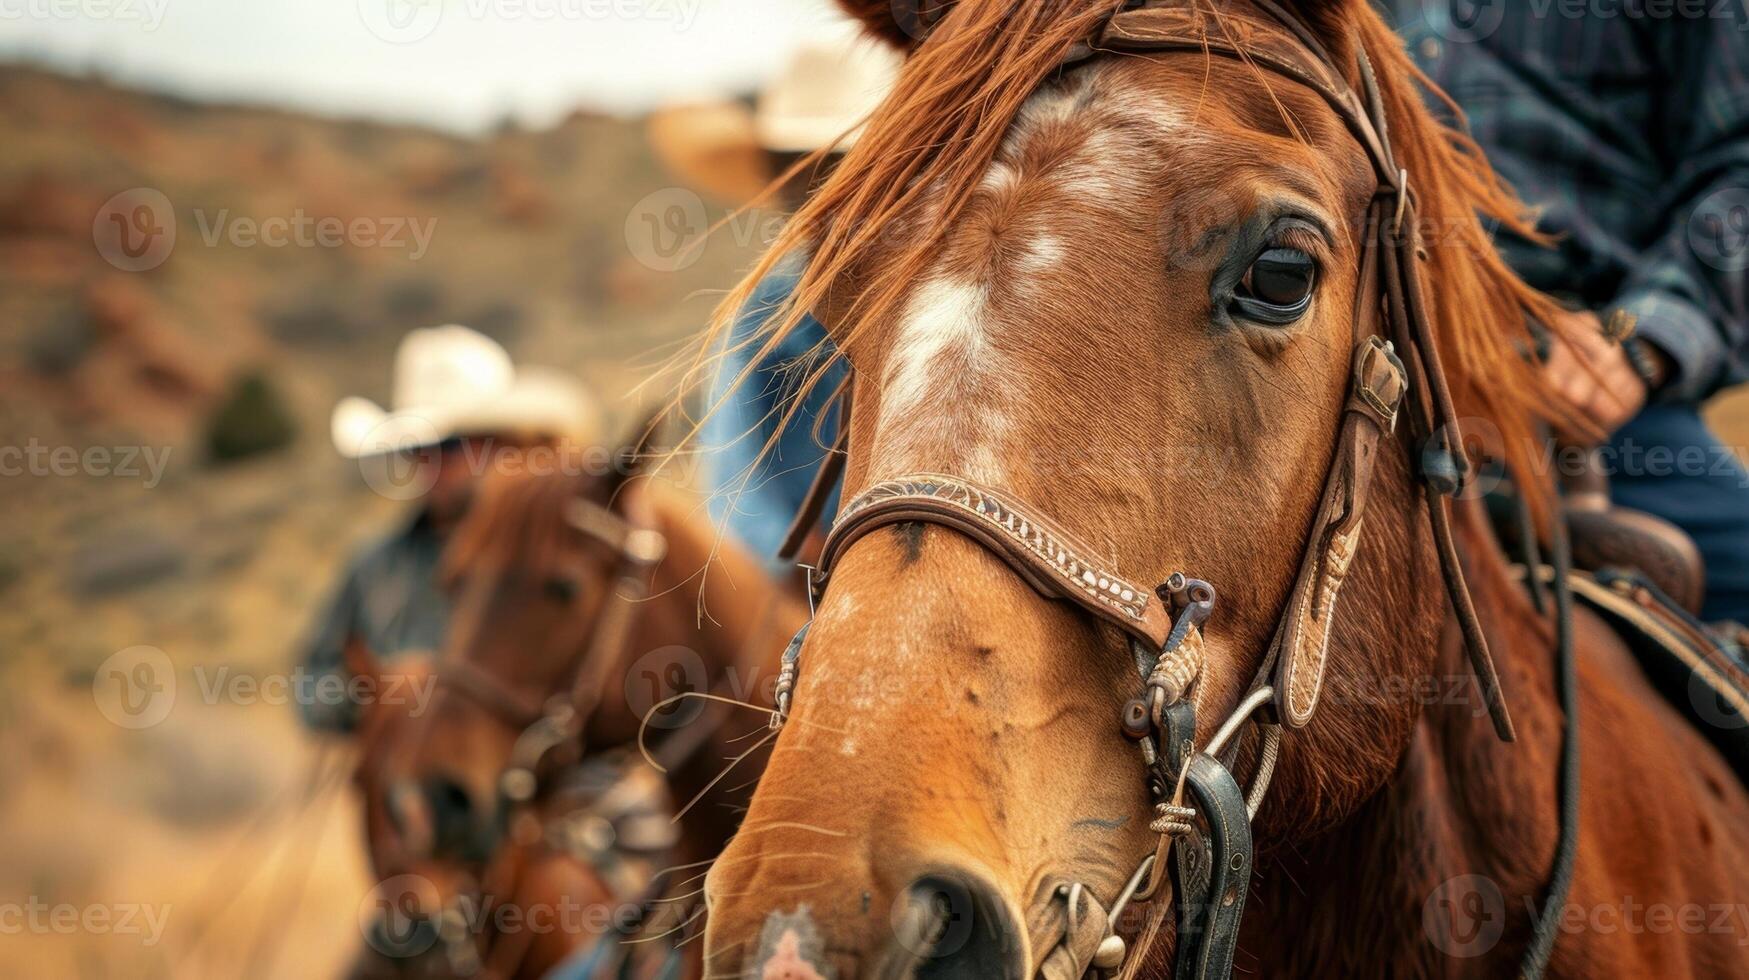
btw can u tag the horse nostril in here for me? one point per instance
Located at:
(455, 823)
(954, 925)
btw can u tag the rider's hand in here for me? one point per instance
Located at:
(1593, 373)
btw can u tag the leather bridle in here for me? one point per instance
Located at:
(560, 719)
(547, 724)
(1199, 805)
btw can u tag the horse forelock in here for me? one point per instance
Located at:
(518, 519)
(939, 153)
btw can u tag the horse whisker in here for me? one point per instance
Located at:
(782, 857)
(665, 702)
(682, 867)
(792, 825)
(666, 932)
(719, 776)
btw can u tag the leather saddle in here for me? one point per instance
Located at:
(1644, 576)
(1605, 536)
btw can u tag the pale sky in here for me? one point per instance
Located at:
(460, 64)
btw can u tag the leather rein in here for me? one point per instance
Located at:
(1199, 806)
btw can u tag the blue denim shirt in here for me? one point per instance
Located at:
(390, 600)
(758, 509)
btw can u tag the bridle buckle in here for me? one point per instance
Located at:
(1380, 381)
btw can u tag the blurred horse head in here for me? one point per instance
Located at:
(583, 618)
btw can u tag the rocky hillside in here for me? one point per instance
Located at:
(185, 290)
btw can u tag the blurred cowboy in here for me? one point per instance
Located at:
(825, 91)
(1631, 135)
(459, 406)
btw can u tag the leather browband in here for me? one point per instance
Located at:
(1049, 558)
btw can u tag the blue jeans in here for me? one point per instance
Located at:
(1669, 464)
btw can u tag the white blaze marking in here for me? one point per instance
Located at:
(941, 346)
(942, 332)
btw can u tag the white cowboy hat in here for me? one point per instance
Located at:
(452, 381)
(723, 149)
(710, 147)
(829, 85)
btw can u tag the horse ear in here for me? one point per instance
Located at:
(902, 23)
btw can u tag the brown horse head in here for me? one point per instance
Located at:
(546, 575)
(1123, 290)
(582, 610)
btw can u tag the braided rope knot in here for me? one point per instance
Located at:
(1172, 820)
(786, 685)
(1176, 668)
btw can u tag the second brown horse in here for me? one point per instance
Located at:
(584, 605)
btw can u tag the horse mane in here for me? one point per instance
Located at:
(940, 130)
(517, 518)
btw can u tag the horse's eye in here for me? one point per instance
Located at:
(1277, 289)
(560, 588)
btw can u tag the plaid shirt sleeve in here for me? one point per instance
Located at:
(1688, 289)
(1630, 133)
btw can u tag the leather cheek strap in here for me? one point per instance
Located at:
(1302, 642)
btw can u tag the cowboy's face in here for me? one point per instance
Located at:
(456, 467)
